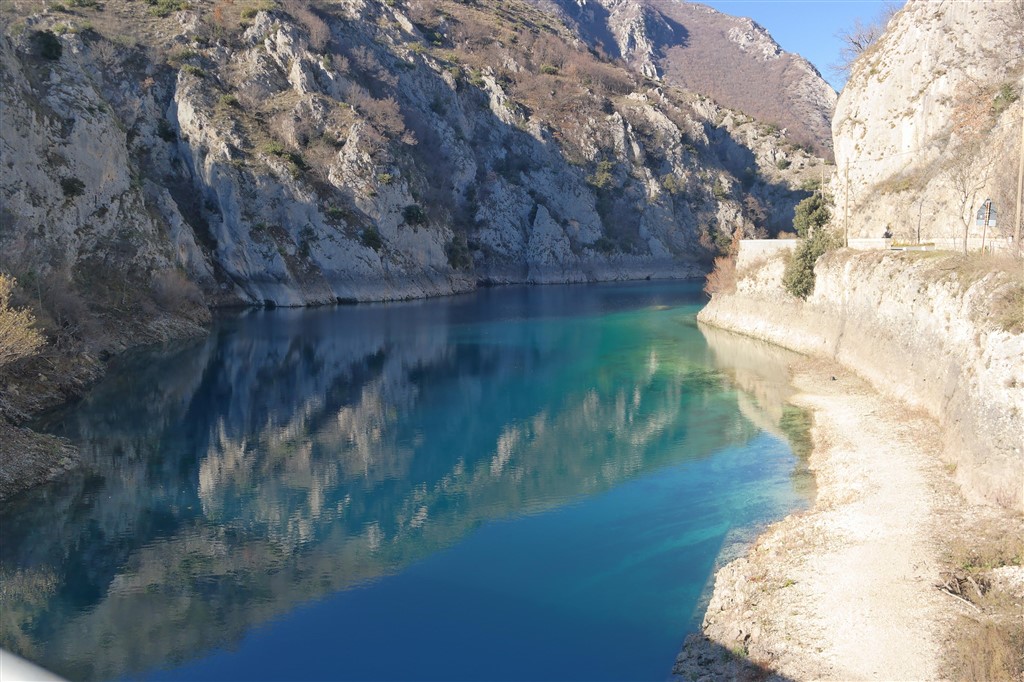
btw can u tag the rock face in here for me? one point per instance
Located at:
(733, 60)
(295, 156)
(920, 329)
(928, 124)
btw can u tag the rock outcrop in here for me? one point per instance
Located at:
(730, 59)
(929, 331)
(294, 156)
(929, 123)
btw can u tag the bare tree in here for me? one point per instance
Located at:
(967, 175)
(859, 37)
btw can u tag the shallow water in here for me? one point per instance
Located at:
(522, 483)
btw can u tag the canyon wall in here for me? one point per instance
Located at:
(940, 334)
(929, 124)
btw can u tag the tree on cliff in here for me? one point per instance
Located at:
(856, 39)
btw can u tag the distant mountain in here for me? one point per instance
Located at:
(732, 60)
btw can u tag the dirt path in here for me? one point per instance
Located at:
(846, 590)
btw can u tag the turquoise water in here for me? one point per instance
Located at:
(522, 483)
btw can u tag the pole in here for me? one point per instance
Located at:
(846, 209)
(920, 210)
(1020, 186)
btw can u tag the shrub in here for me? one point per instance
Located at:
(457, 251)
(413, 214)
(165, 131)
(370, 238)
(811, 214)
(18, 336)
(722, 278)
(48, 44)
(671, 184)
(783, 164)
(799, 275)
(229, 101)
(193, 70)
(603, 177)
(549, 70)
(72, 187)
(163, 8)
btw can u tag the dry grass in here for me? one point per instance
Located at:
(987, 643)
(1008, 309)
(18, 336)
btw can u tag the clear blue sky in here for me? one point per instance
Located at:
(807, 27)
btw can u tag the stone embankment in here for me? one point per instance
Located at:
(927, 329)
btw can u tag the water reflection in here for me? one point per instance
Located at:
(293, 454)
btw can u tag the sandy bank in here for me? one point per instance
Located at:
(847, 590)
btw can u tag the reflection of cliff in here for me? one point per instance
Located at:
(761, 373)
(759, 369)
(297, 453)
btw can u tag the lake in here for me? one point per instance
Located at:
(520, 483)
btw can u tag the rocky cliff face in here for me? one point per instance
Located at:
(930, 331)
(733, 60)
(255, 153)
(928, 126)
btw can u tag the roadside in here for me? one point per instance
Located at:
(850, 589)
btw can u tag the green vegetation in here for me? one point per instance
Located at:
(811, 217)
(370, 238)
(164, 8)
(811, 213)
(413, 214)
(799, 276)
(458, 254)
(1006, 96)
(72, 187)
(48, 45)
(603, 177)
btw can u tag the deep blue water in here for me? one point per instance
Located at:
(523, 483)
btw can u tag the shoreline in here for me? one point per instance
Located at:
(848, 588)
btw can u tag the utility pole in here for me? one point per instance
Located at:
(1020, 186)
(920, 209)
(846, 209)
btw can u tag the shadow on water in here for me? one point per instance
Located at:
(295, 454)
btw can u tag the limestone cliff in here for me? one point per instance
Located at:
(730, 59)
(932, 331)
(371, 150)
(929, 123)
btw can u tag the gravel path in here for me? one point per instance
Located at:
(846, 590)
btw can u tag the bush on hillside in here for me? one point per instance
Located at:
(18, 336)
(799, 275)
(722, 278)
(811, 214)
